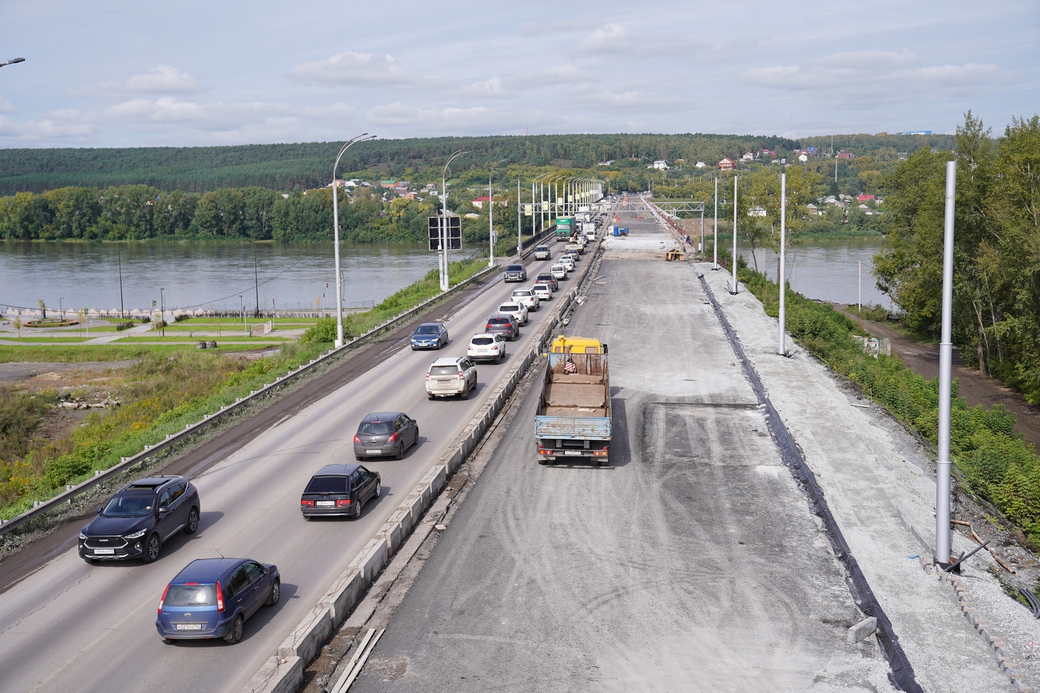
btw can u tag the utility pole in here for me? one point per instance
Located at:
(859, 286)
(715, 245)
(491, 224)
(735, 282)
(532, 215)
(162, 309)
(122, 309)
(519, 209)
(942, 470)
(782, 348)
(256, 284)
(702, 230)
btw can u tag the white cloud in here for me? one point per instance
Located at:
(487, 87)
(874, 72)
(953, 74)
(604, 37)
(164, 109)
(394, 114)
(46, 129)
(868, 59)
(351, 67)
(162, 79)
(448, 118)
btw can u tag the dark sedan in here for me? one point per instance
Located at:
(214, 597)
(385, 434)
(429, 335)
(503, 324)
(139, 518)
(339, 490)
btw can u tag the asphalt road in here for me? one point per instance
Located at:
(691, 563)
(76, 627)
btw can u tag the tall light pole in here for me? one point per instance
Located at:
(444, 220)
(735, 282)
(782, 348)
(12, 61)
(942, 469)
(715, 245)
(519, 209)
(491, 223)
(363, 137)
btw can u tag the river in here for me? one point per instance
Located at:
(835, 270)
(206, 276)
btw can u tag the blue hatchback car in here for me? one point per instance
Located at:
(213, 598)
(429, 335)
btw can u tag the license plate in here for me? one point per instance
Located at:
(189, 626)
(326, 504)
(572, 452)
(104, 552)
(373, 452)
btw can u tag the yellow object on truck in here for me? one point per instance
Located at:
(576, 345)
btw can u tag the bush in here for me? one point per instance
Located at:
(324, 330)
(996, 464)
(124, 325)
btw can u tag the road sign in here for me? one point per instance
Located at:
(528, 210)
(454, 232)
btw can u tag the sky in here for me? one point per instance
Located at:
(122, 73)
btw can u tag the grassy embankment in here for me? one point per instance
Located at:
(992, 460)
(169, 388)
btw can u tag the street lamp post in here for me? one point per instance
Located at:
(444, 219)
(735, 282)
(12, 61)
(491, 224)
(942, 468)
(162, 310)
(363, 137)
(782, 349)
(715, 227)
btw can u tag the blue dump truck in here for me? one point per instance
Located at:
(572, 423)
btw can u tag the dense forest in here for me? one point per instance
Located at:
(997, 255)
(297, 167)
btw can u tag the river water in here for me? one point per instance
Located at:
(839, 270)
(206, 276)
(220, 277)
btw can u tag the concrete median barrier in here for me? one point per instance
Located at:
(284, 671)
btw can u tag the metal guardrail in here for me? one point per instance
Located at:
(41, 508)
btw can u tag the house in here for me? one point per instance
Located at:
(700, 164)
(748, 156)
(388, 183)
(660, 165)
(864, 197)
(727, 164)
(767, 153)
(756, 212)
(803, 157)
(845, 156)
(813, 210)
(608, 162)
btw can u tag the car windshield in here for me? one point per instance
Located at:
(327, 484)
(514, 268)
(427, 329)
(509, 308)
(444, 370)
(544, 276)
(498, 321)
(375, 427)
(521, 292)
(541, 287)
(129, 505)
(191, 595)
(481, 341)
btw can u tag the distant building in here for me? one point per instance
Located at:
(748, 156)
(917, 132)
(660, 165)
(803, 157)
(845, 156)
(700, 164)
(864, 197)
(727, 164)
(608, 162)
(813, 209)
(756, 212)
(767, 153)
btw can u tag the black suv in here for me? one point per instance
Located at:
(136, 521)
(515, 273)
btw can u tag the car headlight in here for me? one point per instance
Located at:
(135, 535)
(82, 536)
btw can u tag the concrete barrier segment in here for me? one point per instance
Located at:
(277, 675)
(373, 558)
(307, 638)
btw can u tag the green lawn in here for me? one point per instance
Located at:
(251, 321)
(157, 337)
(227, 327)
(45, 340)
(100, 352)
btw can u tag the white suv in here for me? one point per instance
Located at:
(451, 376)
(558, 271)
(542, 291)
(486, 347)
(527, 298)
(516, 309)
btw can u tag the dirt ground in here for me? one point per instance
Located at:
(973, 386)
